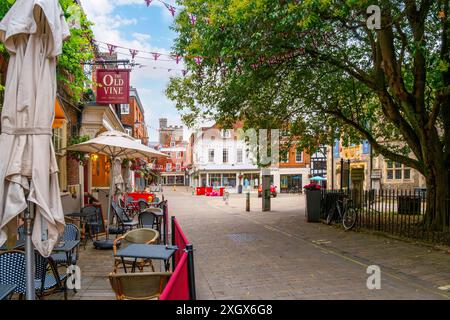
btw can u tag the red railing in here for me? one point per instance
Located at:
(178, 286)
(181, 285)
(179, 240)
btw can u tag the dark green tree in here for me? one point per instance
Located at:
(316, 68)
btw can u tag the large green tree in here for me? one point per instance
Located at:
(316, 67)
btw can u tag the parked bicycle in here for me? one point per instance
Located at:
(343, 210)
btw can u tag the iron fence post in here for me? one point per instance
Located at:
(191, 271)
(173, 241)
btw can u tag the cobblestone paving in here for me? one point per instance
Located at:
(277, 255)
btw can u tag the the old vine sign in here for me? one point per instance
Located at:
(113, 86)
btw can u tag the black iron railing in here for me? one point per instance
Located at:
(397, 212)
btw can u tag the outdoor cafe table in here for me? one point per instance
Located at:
(66, 247)
(6, 290)
(146, 252)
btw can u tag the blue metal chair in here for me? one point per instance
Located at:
(146, 220)
(71, 233)
(47, 278)
(12, 270)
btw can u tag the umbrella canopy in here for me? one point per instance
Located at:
(318, 178)
(33, 32)
(116, 144)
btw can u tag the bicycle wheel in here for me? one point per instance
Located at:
(330, 215)
(349, 218)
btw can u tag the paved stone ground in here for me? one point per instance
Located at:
(280, 256)
(277, 255)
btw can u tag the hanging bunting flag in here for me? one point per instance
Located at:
(148, 2)
(133, 53)
(170, 8)
(184, 72)
(111, 49)
(192, 18)
(177, 58)
(198, 60)
(156, 55)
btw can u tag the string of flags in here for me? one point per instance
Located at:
(177, 58)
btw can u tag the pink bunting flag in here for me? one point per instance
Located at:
(133, 53)
(192, 18)
(177, 58)
(170, 8)
(156, 55)
(184, 72)
(111, 49)
(148, 2)
(198, 60)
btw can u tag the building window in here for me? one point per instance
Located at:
(225, 133)
(239, 156)
(124, 109)
(128, 131)
(211, 155)
(225, 155)
(178, 155)
(298, 156)
(172, 144)
(397, 171)
(168, 167)
(60, 142)
(285, 158)
(178, 167)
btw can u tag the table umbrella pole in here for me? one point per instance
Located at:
(111, 186)
(29, 253)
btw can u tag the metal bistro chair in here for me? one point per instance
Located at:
(47, 278)
(93, 223)
(151, 217)
(139, 286)
(124, 222)
(71, 233)
(140, 236)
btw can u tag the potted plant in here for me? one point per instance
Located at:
(313, 197)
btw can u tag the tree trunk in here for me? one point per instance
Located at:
(437, 215)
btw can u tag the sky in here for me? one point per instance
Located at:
(131, 24)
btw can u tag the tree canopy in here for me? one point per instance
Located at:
(316, 68)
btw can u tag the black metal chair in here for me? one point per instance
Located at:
(71, 233)
(124, 222)
(93, 223)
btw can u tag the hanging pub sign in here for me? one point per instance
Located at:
(113, 86)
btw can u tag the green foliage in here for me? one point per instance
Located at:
(77, 155)
(76, 50)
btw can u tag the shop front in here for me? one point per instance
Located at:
(290, 182)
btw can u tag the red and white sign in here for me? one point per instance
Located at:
(113, 86)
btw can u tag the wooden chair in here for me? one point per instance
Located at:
(140, 236)
(138, 286)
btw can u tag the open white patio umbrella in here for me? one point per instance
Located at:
(33, 32)
(115, 144)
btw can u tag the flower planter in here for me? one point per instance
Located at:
(313, 198)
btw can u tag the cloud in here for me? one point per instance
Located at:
(152, 77)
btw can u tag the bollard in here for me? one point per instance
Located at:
(247, 206)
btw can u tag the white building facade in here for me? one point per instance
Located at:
(221, 159)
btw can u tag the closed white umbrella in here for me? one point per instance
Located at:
(115, 144)
(33, 32)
